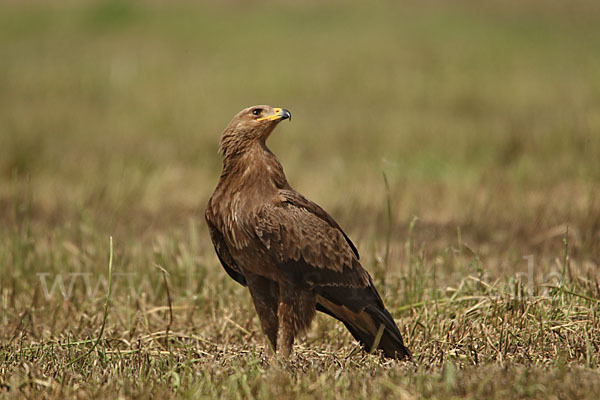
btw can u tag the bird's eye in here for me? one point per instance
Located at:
(256, 111)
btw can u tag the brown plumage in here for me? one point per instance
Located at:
(293, 257)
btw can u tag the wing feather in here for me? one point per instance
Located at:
(292, 197)
(223, 254)
(307, 244)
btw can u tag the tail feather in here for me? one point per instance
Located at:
(364, 325)
(391, 340)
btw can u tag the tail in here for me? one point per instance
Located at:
(364, 315)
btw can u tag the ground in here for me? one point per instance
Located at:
(457, 145)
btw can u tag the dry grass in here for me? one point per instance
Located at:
(484, 119)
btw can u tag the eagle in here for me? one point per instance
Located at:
(290, 253)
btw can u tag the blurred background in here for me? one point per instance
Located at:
(484, 118)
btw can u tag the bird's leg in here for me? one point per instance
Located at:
(265, 293)
(287, 326)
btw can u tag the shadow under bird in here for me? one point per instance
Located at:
(291, 254)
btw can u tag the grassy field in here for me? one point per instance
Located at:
(483, 237)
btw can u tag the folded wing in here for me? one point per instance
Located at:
(314, 253)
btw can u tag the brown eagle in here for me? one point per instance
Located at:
(293, 257)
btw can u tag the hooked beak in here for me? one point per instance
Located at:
(279, 114)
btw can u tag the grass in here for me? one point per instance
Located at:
(457, 145)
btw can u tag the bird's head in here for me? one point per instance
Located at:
(250, 125)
